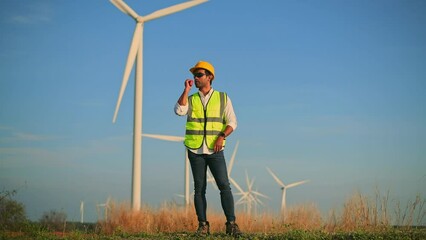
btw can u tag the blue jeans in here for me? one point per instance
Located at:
(217, 165)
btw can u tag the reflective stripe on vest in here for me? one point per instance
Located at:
(205, 123)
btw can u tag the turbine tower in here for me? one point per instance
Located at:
(81, 212)
(284, 189)
(176, 139)
(135, 55)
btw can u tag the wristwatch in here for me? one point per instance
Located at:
(222, 134)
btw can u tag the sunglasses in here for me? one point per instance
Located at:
(198, 75)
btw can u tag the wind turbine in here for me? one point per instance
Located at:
(249, 197)
(81, 212)
(106, 207)
(284, 189)
(176, 139)
(135, 55)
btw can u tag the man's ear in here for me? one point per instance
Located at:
(210, 78)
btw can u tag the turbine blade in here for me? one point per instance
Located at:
(238, 193)
(257, 200)
(122, 6)
(260, 194)
(114, 2)
(164, 137)
(236, 185)
(251, 183)
(297, 183)
(135, 45)
(172, 9)
(248, 182)
(240, 201)
(251, 197)
(276, 178)
(231, 162)
(210, 179)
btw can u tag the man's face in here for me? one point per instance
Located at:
(200, 78)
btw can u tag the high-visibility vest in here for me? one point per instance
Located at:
(205, 123)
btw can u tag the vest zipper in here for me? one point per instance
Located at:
(205, 125)
(205, 116)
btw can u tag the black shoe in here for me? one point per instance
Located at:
(232, 229)
(203, 229)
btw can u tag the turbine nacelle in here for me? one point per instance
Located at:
(140, 19)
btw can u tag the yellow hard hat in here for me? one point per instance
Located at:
(203, 65)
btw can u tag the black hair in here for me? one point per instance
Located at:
(208, 73)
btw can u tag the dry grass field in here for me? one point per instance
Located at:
(361, 217)
(359, 213)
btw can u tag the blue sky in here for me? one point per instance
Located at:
(331, 91)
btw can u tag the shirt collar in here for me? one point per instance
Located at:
(207, 95)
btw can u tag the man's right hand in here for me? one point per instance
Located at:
(183, 99)
(188, 84)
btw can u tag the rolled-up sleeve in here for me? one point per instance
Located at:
(181, 110)
(230, 117)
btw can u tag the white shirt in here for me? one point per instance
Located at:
(230, 118)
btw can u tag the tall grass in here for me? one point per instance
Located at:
(359, 212)
(412, 214)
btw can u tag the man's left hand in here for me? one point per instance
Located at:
(218, 145)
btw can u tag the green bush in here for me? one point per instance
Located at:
(12, 213)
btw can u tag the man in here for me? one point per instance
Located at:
(210, 119)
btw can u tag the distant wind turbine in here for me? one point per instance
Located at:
(135, 54)
(284, 189)
(176, 139)
(249, 197)
(106, 207)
